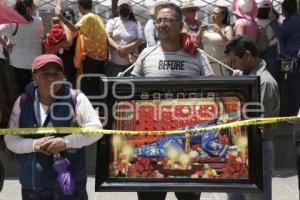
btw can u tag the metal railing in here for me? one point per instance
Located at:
(108, 8)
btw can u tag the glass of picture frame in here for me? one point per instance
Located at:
(218, 160)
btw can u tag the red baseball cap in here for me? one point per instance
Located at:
(42, 60)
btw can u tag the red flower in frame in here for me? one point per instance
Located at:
(145, 174)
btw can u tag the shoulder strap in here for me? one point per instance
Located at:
(74, 94)
(116, 19)
(23, 99)
(16, 30)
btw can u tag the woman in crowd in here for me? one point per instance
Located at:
(288, 34)
(124, 36)
(25, 42)
(269, 54)
(190, 24)
(151, 34)
(214, 36)
(69, 49)
(245, 12)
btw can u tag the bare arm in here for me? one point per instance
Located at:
(69, 24)
(3, 43)
(228, 33)
(70, 36)
(239, 30)
(6, 44)
(111, 42)
(134, 44)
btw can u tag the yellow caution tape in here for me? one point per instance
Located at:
(76, 130)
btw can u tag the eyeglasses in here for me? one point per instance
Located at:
(165, 20)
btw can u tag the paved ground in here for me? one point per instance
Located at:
(285, 187)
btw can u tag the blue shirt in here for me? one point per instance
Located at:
(288, 34)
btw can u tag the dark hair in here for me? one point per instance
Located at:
(85, 4)
(69, 14)
(239, 45)
(132, 16)
(225, 12)
(173, 7)
(22, 6)
(289, 6)
(263, 12)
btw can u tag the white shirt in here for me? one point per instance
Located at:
(85, 115)
(123, 33)
(161, 63)
(27, 42)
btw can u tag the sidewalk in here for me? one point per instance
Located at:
(285, 187)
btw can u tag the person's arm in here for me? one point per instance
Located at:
(4, 44)
(132, 45)
(285, 30)
(269, 97)
(136, 43)
(6, 31)
(17, 144)
(270, 100)
(199, 36)
(228, 33)
(239, 29)
(68, 23)
(86, 117)
(288, 27)
(70, 36)
(112, 42)
(110, 26)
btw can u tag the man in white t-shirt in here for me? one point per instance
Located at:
(170, 59)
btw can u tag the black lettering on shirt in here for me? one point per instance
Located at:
(182, 65)
(160, 65)
(171, 65)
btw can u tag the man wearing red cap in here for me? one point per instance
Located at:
(49, 102)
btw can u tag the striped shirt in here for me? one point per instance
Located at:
(160, 63)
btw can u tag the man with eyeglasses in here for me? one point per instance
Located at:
(170, 59)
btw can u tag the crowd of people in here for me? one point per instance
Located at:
(179, 45)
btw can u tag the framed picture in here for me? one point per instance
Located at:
(218, 160)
